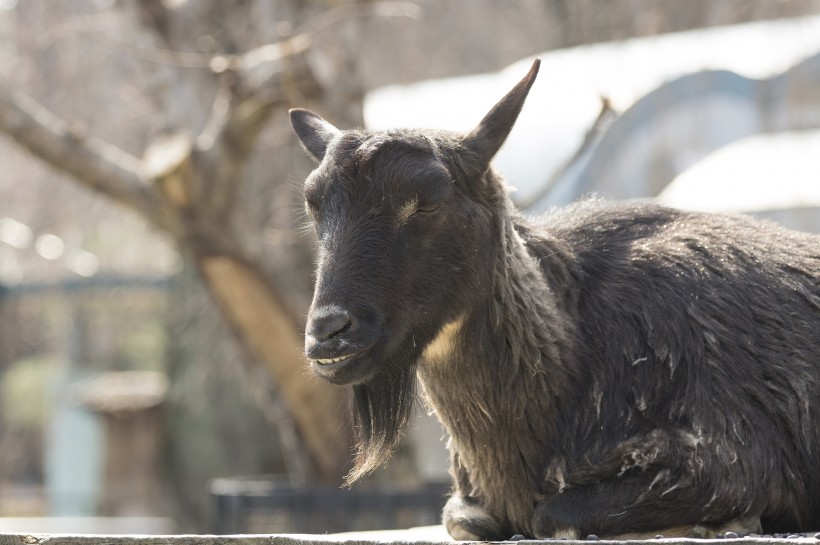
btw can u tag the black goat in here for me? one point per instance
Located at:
(617, 369)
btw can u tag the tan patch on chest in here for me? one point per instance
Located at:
(442, 346)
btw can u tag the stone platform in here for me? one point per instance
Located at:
(429, 535)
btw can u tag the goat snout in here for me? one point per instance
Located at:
(328, 322)
(336, 338)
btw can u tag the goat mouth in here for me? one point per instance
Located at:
(329, 361)
(347, 369)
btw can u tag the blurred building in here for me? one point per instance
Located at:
(677, 99)
(68, 315)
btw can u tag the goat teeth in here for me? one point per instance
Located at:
(328, 361)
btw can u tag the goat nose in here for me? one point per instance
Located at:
(325, 323)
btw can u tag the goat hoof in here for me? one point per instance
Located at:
(465, 520)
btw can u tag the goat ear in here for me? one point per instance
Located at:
(486, 139)
(314, 132)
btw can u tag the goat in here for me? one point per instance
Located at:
(619, 369)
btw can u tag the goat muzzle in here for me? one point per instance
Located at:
(337, 342)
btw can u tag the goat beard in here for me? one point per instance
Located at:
(381, 409)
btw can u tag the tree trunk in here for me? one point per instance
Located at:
(259, 319)
(188, 185)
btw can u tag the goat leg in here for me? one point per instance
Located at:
(633, 506)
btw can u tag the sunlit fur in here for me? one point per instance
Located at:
(611, 369)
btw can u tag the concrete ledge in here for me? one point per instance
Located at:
(395, 537)
(154, 526)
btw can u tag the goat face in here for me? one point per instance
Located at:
(398, 243)
(403, 221)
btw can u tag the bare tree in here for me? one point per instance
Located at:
(189, 180)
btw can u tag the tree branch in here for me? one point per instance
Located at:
(606, 116)
(272, 72)
(241, 110)
(266, 77)
(155, 14)
(360, 9)
(96, 164)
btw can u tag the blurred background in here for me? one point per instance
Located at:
(154, 267)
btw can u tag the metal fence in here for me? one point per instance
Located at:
(271, 506)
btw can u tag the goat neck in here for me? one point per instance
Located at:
(506, 352)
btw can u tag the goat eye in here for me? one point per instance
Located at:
(427, 208)
(422, 210)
